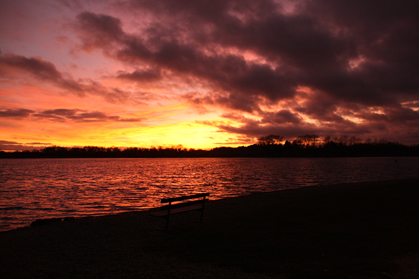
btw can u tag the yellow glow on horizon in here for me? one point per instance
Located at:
(188, 134)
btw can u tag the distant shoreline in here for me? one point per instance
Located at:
(288, 150)
(204, 157)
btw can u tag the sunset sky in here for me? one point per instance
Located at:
(205, 74)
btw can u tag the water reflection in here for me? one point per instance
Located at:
(47, 188)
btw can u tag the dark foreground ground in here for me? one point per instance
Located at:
(364, 230)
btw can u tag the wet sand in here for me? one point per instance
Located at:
(362, 230)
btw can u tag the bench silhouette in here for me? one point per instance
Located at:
(176, 208)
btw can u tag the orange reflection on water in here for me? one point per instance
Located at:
(47, 188)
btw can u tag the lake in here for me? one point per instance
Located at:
(46, 188)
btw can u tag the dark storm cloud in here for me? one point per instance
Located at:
(141, 75)
(321, 107)
(402, 115)
(62, 115)
(255, 129)
(310, 48)
(106, 29)
(230, 72)
(77, 115)
(13, 146)
(71, 114)
(386, 35)
(227, 100)
(352, 55)
(16, 113)
(282, 117)
(40, 69)
(46, 71)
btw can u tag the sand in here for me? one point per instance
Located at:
(362, 230)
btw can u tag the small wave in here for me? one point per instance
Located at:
(68, 210)
(125, 208)
(4, 227)
(45, 209)
(12, 208)
(94, 206)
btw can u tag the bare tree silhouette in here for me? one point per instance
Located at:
(269, 140)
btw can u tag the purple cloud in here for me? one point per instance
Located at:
(62, 115)
(16, 113)
(355, 57)
(13, 146)
(77, 115)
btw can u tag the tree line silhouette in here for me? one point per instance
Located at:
(268, 146)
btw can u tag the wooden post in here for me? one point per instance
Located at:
(168, 216)
(202, 210)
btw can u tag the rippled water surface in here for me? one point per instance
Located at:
(44, 188)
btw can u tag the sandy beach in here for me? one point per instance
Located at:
(362, 230)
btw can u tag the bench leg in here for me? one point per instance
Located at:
(168, 216)
(167, 222)
(202, 210)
